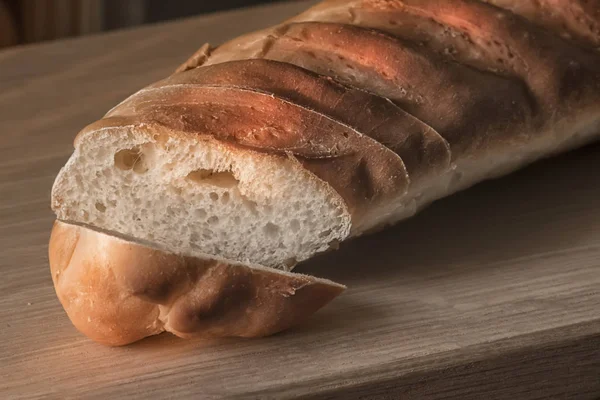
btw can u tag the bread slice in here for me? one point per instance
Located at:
(195, 195)
(117, 291)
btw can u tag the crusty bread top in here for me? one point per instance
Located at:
(474, 34)
(447, 96)
(576, 20)
(117, 291)
(422, 149)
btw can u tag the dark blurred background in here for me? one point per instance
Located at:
(30, 21)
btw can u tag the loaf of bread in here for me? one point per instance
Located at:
(187, 205)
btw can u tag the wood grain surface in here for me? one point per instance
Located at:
(493, 293)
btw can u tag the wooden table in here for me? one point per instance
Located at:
(493, 293)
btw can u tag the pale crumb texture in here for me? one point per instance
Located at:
(198, 197)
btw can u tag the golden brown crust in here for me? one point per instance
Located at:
(577, 20)
(485, 79)
(422, 149)
(474, 34)
(447, 96)
(117, 292)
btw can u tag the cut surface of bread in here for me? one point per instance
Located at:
(117, 291)
(198, 196)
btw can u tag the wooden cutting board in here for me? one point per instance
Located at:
(493, 293)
